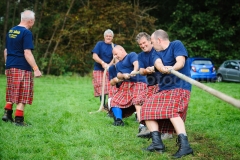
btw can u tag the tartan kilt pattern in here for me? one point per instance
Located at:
(128, 95)
(97, 83)
(165, 126)
(112, 91)
(152, 90)
(19, 86)
(148, 92)
(165, 105)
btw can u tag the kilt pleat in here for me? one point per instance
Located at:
(112, 91)
(97, 83)
(148, 92)
(19, 86)
(128, 95)
(165, 105)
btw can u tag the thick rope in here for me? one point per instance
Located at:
(218, 94)
(103, 87)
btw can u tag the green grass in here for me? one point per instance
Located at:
(62, 127)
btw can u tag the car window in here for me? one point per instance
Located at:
(227, 65)
(201, 62)
(234, 65)
(231, 65)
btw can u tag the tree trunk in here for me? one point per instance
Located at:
(50, 42)
(14, 12)
(59, 38)
(38, 21)
(6, 23)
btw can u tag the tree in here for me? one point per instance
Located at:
(208, 28)
(84, 27)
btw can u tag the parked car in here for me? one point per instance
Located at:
(229, 71)
(202, 69)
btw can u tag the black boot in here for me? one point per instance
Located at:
(19, 121)
(117, 121)
(184, 147)
(7, 115)
(105, 107)
(157, 144)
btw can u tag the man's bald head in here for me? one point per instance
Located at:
(119, 52)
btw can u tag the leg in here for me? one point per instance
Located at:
(8, 107)
(138, 109)
(143, 130)
(104, 102)
(104, 98)
(117, 115)
(184, 147)
(178, 125)
(157, 144)
(8, 112)
(152, 125)
(20, 106)
(19, 115)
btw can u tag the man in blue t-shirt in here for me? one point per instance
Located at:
(127, 99)
(115, 83)
(146, 67)
(172, 100)
(102, 55)
(19, 65)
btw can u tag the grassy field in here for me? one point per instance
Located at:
(62, 127)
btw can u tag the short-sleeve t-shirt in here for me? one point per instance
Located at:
(126, 66)
(104, 51)
(146, 60)
(168, 57)
(17, 40)
(112, 74)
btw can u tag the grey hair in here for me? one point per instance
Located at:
(108, 31)
(143, 34)
(161, 34)
(27, 15)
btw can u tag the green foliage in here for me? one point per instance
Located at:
(207, 28)
(85, 27)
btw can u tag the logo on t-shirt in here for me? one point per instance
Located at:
(13, 33)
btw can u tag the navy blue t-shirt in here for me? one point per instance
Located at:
(17, 40)
(112, 74)
(146, 60)
(126, 66)
(168, 57)
(104, 51)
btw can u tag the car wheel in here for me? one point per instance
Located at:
(219, 78)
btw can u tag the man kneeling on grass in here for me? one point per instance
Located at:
(127, 99)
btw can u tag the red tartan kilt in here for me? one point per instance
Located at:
(128, 95)
(19, 86)
(148, 92)
(152, 90)
(165, 105)
(97, 83)
(112, 91)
